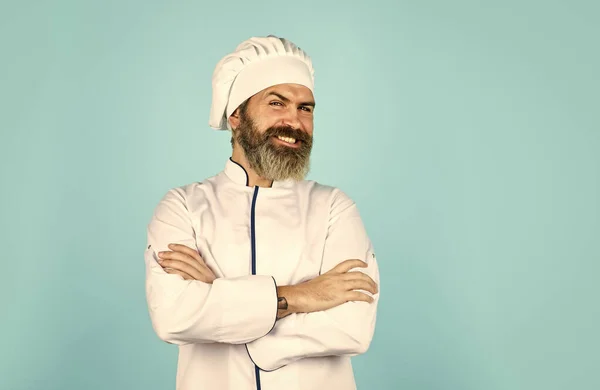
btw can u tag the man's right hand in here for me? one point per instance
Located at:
(185, 262)
(328, 290)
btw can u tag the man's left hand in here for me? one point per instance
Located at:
(185, 262)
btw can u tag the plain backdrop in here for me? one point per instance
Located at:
(466, 131)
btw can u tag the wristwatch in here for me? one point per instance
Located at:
(282, 303)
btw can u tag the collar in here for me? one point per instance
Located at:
(238, 175)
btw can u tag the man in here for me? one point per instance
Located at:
(263, 279)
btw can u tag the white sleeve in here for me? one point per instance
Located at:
(190, 311)
(343, 330)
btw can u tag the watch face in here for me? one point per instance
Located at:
(282, 303)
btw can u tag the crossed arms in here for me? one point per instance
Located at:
(325, 315)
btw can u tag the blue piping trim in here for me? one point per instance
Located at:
(253, 229)
(247, 177)
(257, 375)
(253, 243)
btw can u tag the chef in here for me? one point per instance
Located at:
(263, 279)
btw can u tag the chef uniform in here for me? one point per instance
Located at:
(255, 239)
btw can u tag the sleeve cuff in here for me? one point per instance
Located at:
(273, 327)
(252, 304)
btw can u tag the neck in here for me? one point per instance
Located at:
(254, 179)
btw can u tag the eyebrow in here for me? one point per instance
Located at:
(286, 100)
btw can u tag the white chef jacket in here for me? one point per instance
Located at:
(254, 239)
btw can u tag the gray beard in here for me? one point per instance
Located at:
(271, 161)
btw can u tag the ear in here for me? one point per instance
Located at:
(234, 119)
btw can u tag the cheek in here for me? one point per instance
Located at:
(308, 125)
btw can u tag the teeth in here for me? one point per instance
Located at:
(289, 140)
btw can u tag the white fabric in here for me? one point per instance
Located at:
(301, 229)
(256, 64)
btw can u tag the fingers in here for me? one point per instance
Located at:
(186, 258)
(181, 266)
(358, 296)
(360, 281)
(187, 261)
(176, 272)
(182, 253)
(178, 267)
(360, 285)
(347, 265)
(187, 250)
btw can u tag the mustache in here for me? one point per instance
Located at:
(286, 131)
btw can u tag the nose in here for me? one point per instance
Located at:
(291, 119)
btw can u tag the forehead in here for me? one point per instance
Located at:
(294, 92)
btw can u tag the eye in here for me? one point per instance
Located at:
(306, 108)
(275, 103)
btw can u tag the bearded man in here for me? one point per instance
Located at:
(264, 280)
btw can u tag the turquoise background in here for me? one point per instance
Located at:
(466, 131)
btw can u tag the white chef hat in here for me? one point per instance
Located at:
(256, 64)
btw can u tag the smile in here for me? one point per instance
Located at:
(288, 141)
